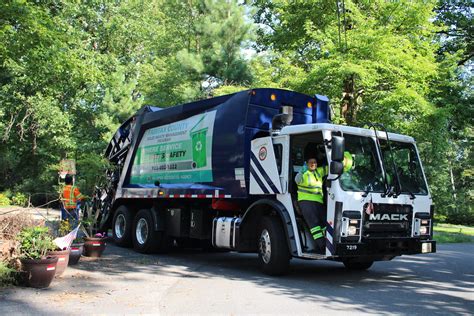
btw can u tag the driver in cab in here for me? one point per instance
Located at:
(310, 197)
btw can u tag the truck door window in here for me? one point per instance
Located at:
(302, 147)
(366, 173)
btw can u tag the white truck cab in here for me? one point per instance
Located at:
(378, 209)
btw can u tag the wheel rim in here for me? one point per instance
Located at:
(142, 231)
(265, 246)
(120, 226)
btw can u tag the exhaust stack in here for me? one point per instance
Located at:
(281, 120)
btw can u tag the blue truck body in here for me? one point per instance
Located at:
(238, 119)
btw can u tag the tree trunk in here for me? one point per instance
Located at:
(348, 107)
(351, 100)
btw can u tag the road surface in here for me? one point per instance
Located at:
(190, 281)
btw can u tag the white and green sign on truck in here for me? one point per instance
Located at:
(180, 152)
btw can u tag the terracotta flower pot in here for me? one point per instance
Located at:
(76, 252)
(40, 272)
(93, 247)
(63, 259)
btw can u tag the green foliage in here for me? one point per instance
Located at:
(91, 220)
(92, 168)
(35, 242)
(208, 54)
(65, 227)
(463, 216)
(378, 67)
(457, 32)
(20, 199)
(4, 200)
(381, 61)
(226, 89)
(71, 72)
(439, 218)
(6, 275)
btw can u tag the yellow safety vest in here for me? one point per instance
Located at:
(311, 186)
(70, 196)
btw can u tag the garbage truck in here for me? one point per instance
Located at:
(219, 174)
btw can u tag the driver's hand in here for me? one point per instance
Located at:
(304, 168)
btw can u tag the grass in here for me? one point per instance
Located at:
(449, 233)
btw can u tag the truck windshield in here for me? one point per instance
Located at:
(366, 173)
(408, 167)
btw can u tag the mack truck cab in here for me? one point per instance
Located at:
(219, 173)
(378, 209)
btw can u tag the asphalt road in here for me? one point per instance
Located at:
(192, 282)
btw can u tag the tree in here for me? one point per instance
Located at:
(457, 33)
(71, 72)
(367, 56)
(379, 61)
(208, 54)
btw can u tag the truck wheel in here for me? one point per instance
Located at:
(122, 227)
(273, 252)
(145, 238)
(357, 265)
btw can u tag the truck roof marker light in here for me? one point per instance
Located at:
(309, 104)
(273, 97)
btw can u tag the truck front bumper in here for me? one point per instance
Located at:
(386, 248)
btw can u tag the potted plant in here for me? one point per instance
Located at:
(63, 259)
(61, 254)
(35, 242)
(77, 248)
(94, 242)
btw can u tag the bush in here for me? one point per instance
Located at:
(439, 218)
(4, 200)
(6, 274)
(20, 199)
(461, 218)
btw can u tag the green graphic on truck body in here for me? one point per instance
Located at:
(180, 152)
(198, 136)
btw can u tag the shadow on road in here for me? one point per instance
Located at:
(418, 284)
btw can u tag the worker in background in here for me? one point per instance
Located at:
(310, 197)
(71, 199)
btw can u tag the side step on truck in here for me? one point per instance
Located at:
(219, 173)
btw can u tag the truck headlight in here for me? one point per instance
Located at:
(422, 226)
(351, 225)
(352, 230)
(424, 230)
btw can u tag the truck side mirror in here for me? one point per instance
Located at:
(337, 149)
(336, 167)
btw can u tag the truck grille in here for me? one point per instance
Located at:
(387, 220)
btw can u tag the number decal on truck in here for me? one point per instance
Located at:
(351, 247)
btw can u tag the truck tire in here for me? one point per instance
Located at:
(273, 252)
(122, 227)
(352, 264)
(145, 238)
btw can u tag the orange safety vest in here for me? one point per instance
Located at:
(70, 196)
